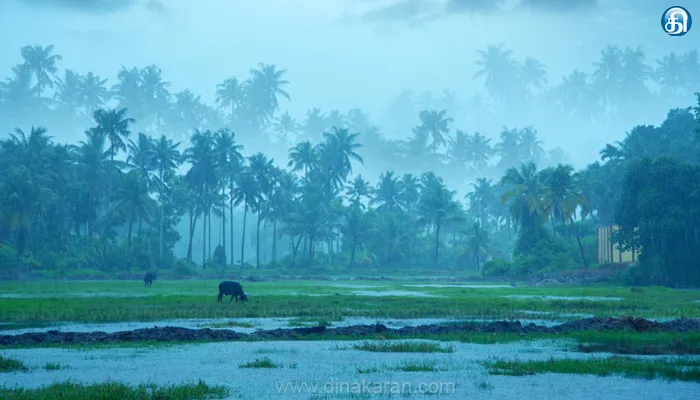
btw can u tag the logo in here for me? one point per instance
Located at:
(676, 21)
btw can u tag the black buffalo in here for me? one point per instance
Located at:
(149, 278)
(233, 289)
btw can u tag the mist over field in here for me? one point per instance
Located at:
(461, 198)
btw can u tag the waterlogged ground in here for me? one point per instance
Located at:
(111, 306)
(330, 364)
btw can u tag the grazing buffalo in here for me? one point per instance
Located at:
(233, 289)
(149, 278)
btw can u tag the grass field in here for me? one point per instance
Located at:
(121, 301)
(468, 356)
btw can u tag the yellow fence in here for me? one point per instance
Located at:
(609, 253)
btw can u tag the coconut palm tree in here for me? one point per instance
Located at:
(435, 123)
(459, 150)
(263, 172)
(165, 158)
(203, 178)
(93, 93)
(480, 150)
(41, 63)
(524, 195)
(499, 69)
(246, 194)
(530, 145)
(133, 201)
(562, 195)
(303, 156)
(286, 126)
(435, 207)
(670, 73)
(69, 95)
(229, 162)
(230, 94)
(140, 156)
(533, 74)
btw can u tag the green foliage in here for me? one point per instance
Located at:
(537, 251)
(11, 365)
(668, 240)
(81, 208)
(498, 267)
(671, 370)
(116, 390)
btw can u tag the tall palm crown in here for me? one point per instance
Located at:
(230, 94)
(437, 124)
(93, 92)
(302, 156)
(165, 158)
(533, 74)
(115, 125)
(387, 195)
(286, 126)
(499, 70)
(525, 195)
(42, 64)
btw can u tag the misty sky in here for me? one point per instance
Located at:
(339, 53)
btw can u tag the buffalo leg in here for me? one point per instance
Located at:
(229, 302)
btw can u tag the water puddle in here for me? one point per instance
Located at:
(462, 286)
(567, 298)
(392, 293)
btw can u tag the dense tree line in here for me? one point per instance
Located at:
(117, 201)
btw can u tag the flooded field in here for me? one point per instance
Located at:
(329, 366)
(438, 358)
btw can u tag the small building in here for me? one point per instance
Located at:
(609, 252)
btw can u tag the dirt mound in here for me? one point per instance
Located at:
(175, 334)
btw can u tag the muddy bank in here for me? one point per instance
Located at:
(177, 334)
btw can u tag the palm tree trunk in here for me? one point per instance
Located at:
(245, 212)
(230, 207)
(352, 255)
(223, 227)
(437, 245)
(193, 224)
(257, 243)
(578, 240)
(274, 241)
(311, 252)
(204, 239)
(161, 228)
(140, 225)
(295, 250)
(209, 226)
(131, 224)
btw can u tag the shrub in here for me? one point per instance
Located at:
(498, 267)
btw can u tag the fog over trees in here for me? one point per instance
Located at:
(109, 174)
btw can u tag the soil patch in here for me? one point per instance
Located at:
(175, 334)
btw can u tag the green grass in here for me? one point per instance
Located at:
(646, 343)
(260, 363)
(403, 347)
(672, 370)
(367, 370)
(53, 366)
(228, 324)
(306, 322)
(411, 366)
(116, 390)
(11, 365)
(129, 301)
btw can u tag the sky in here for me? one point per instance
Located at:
(339, 53)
